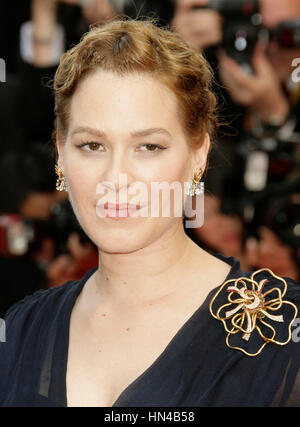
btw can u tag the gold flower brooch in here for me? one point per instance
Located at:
(250, 310)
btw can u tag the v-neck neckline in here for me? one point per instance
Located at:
(235, 266)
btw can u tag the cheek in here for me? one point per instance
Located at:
(172, 169)
(82, 193)
(174, 174)
(82, 188)
(82, 176)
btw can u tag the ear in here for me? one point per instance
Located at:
(60, 151)
(200, 153)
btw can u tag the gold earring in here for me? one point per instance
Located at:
(195, 187)
(197, 176)
(61, 183)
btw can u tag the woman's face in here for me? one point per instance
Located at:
(113, 116)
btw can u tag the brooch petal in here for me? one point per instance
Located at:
(251, 308)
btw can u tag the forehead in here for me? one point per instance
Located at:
(275, 11)
(134, 96)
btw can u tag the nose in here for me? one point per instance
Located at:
(117, 176)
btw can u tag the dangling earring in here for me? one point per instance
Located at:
(61, 183)
(195, 187)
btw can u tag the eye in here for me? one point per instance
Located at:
(152, 148)
(93, 146)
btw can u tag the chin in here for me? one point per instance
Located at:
(116, 239)
(119, 247)
(118, 250)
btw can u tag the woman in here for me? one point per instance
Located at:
(144, 328)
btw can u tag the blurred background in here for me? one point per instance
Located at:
(252, 197)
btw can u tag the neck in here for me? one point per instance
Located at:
(151, 272)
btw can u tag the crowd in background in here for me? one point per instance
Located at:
(252, 198)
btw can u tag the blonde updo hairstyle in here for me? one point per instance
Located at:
(126, 46)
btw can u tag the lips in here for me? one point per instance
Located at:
(120, 207)
(117, 211)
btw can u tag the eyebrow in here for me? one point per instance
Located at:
(135, 134)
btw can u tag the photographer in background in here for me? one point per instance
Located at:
(265, 155)
(201, 28)
(272, 100)
(276, 221)
(268, 93)
(27, 195)
(55, 23)
(33, 36)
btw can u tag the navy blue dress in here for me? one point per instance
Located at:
(196, 368)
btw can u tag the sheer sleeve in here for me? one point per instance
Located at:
(29, 328)
(288, 392)
(16, 324)
(33, 355)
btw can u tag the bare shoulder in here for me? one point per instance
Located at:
(217, 264)
(208, 269)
